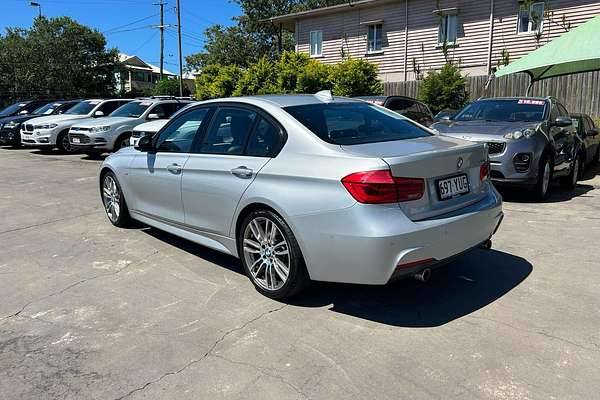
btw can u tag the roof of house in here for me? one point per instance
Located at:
(287, 21)
(136, 63)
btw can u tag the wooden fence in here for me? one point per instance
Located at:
(580, 93)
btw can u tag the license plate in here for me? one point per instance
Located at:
(452, 187)
(76, 140)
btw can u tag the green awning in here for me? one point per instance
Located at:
(573, 52)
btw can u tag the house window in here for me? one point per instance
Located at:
(448, 30)
(374, 38)
(531, 18)
(316, 43)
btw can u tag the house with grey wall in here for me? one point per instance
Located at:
(406, 38)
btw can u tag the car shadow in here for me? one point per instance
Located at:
(556, 195)
(455, 290)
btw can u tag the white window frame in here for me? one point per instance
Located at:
(529, 30)
(315, 41)
(443, 29)
(377, 47)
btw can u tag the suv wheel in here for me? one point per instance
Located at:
(63, 143)
(541, 188)
(114, 201)
(570, 181)
(271, 256)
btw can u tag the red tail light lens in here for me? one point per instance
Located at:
(379, 187)
(484, 171)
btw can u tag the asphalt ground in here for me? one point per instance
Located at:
(89, 311)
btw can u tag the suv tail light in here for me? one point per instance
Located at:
(484, 171)
(379, 187)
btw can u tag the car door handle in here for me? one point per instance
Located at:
(174, 168)
(242, 172)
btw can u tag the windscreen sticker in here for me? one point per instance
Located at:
(532, 102)
(22, 104)
(94, 103)
(145, 103)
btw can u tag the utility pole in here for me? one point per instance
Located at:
(162, 36)
(180, 55)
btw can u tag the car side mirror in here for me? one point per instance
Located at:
(592, 132)
(562, 122)
(144, 144)
(153, 116)
(98, 114)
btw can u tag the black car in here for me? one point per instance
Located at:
(406, 106)
(22, 108)
(590, 138)
(10, 127)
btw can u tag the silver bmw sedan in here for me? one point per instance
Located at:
(307, 187)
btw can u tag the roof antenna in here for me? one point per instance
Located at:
(324, 95)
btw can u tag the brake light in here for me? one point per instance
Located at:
(484, 171)
(379, 187)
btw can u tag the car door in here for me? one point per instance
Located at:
(563, 139)
(155, 177)
(591, 138)
(239, 142)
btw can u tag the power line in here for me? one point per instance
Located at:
(130, 23)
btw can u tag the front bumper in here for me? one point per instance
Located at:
(38, 138)
(10, 136)
(371, 244)
(88, 142)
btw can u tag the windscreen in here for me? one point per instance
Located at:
(13, 108)
(133, 109)
(509, 110)
(355, 123)
(83, 108)
(47, 109)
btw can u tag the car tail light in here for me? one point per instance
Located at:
(484, 171)
(378, 187)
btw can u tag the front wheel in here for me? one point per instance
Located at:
(271, 255)
(63, 144)
(540, 190)
(570, 181)
(114, 201)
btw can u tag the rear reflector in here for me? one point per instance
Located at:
(379, 187)
(484, 171)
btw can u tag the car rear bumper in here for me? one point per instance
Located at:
(371, 244)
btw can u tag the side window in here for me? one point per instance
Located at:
(553, 112)
(179, 135)
(162, 110)
(265, 139)
(562, 111)
(109, 107)
(229, 131)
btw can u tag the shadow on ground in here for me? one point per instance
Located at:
(557, 195)
(465, 285)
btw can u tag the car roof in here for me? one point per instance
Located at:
(513, 98)
(383, 98)
(284, 100)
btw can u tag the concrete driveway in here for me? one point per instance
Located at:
(88, 311)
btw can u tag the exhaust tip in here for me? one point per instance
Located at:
(423, 275)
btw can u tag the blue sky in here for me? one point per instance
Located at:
(117, 20)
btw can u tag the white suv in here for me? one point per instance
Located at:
(53, 131)
(112, 133)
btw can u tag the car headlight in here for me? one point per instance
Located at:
(97, 129)
(516, 135)
(45, 126)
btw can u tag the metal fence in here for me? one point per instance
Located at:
(579, 93)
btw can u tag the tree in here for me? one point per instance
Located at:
(56, 57)
(355, 77)
(217, 81)
(446, 89)
(168, 87)
(259, 78)
(314, 77)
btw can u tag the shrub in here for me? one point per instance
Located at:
(259, 78)
(217, 81)
(355, 77)
(314, 77)
(289, 67)
(597, 122)
(167, 87)
(446, 89)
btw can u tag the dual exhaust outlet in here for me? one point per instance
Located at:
(422, 276)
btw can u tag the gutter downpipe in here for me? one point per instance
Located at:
(491, 38)
(406, 40)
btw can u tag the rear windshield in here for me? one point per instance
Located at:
(355, 123)
(509, 110)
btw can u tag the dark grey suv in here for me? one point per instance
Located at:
(530, 140)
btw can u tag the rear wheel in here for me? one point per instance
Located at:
(540, 190)
(114, 201)
(271, 255)
(570, 181)
(63, 143)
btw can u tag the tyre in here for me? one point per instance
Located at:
(122, 141)
(114, 201)
(542, 186)
(596, 158)
(271, 255)
(570, 181)
(63, 143)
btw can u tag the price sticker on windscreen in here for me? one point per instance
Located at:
(532, 102)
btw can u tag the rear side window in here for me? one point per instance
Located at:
(265, 139)
(355, 123)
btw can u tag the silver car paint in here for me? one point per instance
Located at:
(341, 240)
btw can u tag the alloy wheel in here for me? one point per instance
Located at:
(575, 171)
(66, 144)
(111, 198)
(267, 253)
(546, 178)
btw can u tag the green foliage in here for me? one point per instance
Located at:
(355, 77)
(444, 89)
(288, 67)
(56, 57)
(314, 77)
(166, 87)
(217, 81)
(597, 122)
(259, 78)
